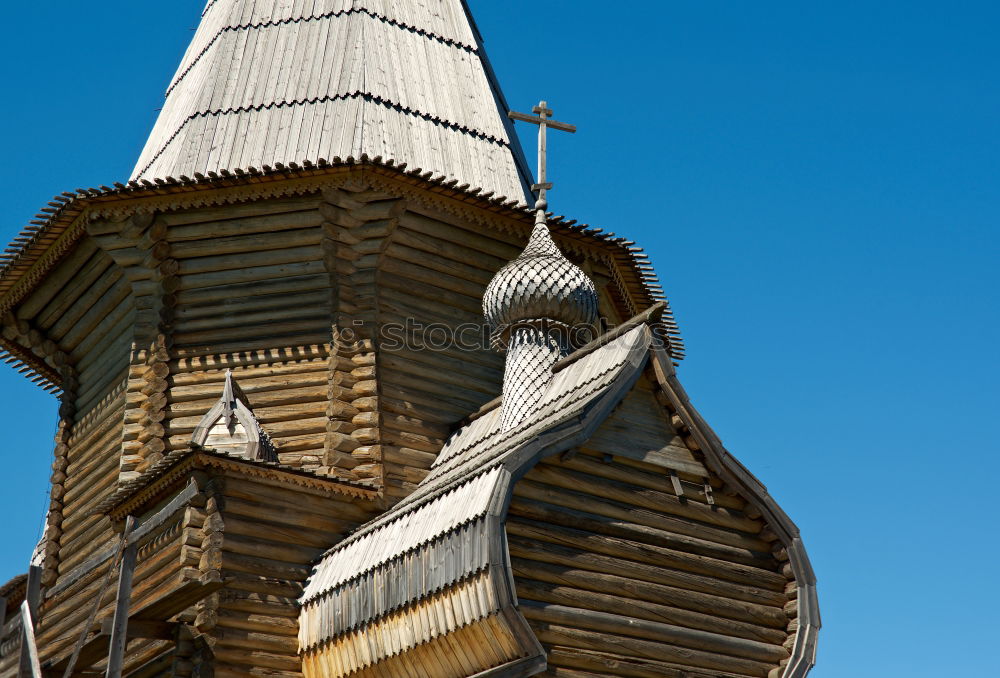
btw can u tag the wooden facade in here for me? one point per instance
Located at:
(280, 450)
(146, 298)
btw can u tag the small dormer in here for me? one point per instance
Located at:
(231, 427)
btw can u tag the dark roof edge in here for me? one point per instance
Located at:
(130, 489)
(719, 459)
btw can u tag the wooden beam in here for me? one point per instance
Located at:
(29, 610)
(119, 630)
(30, 649)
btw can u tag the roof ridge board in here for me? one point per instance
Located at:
(368, 96)
(451, 42)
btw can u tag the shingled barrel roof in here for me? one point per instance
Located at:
(276, 81)
(450, 528)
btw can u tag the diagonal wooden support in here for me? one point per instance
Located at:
(187, 593)
(119, 630)
(30, 649)
(30, 605)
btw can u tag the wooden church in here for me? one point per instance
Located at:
(339, 397)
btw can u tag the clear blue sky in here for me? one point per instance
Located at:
(817, 184)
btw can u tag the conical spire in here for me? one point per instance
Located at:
(281, 81)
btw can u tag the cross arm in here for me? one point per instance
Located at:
(536, 120)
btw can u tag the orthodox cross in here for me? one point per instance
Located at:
(543, 121)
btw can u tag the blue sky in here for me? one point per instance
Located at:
(817, 184)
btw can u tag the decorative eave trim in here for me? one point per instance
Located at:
(62, 223)
(153, 483)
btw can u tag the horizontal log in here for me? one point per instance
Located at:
(273, 494)
(251, 383)
(110, 287)
(308, 323)
(264, 398)
(238, 262)
(248, 242)
(624, 625)
(270, 527)
(695, 601)
(615, 663)
(246, 621)
(463, 301)
(67, 270)
(504, 246)
(249, 274)
(646, 475)
(590, 640)
(242, 655)
(580, 530)
(255, 583)
(195, 300)
(238, 218)
(276, 311)
(572, 476)
(430, 276)
(620, 564)
(658, 526)
(82, 290)
(657, 611)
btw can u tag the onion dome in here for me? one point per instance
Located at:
(539, 287)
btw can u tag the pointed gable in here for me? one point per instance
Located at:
(280, 81)
(231, 427)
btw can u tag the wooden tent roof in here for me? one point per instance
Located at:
(278, 81)
(451, 527)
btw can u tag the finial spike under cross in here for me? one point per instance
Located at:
(543, 120)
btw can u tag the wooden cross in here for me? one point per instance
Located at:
(544, 122)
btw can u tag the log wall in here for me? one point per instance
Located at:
(253, 296)
(262, 538)
(167, 558)
(646, 567)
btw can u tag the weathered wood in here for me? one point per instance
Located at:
(591, 640)
(764, 615)
(29, 648)
(658, 526)
(246, 242)
(577, 530)
(69, 269)
(119, 629)
(641, 571)
(615, 663)
(668, 634)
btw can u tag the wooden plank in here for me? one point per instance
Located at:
(29, 649)
(119, 639)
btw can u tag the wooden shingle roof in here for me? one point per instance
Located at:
(277, 81)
